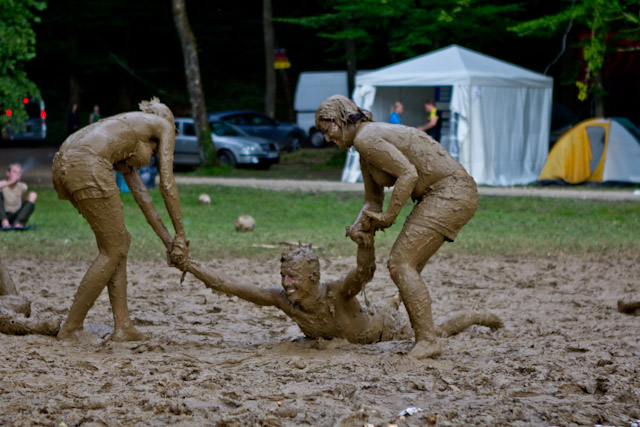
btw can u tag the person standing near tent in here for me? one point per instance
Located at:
(434, 123)
(398, 109)
(416, 166)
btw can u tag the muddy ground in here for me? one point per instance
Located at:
(565, 357)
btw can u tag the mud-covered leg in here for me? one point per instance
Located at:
(123, 327)
(414, 246)
(107, 223)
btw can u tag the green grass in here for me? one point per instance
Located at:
(514, 226)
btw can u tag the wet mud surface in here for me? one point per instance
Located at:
(566, 356)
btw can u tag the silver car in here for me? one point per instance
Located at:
(233, 146)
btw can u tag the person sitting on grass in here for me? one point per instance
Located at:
(16, 205)
(330, 309)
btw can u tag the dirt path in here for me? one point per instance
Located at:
(309, 185)
(565, 357)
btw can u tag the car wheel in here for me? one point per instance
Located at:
(227, 158)
(317, 139)
(293, 142)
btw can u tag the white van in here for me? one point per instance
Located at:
(314, 87)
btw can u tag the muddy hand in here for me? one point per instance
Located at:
(362, 238)
(178, 252)
(378, 220)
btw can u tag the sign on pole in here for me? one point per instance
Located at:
(281, 62)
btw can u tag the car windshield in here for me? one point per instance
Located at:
(224, 129)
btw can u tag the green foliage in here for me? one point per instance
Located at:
(17, 46)
(604, 18)
(502, 226)
(410, 27)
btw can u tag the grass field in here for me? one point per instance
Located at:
(502, 226)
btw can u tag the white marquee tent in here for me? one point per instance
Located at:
(500, 113)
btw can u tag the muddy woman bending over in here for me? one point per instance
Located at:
(83, 174)
(417, 167)
(331, 309)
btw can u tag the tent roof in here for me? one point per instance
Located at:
(454, 65)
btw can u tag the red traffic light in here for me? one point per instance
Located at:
(25, 100)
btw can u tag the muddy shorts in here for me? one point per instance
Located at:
(447, 205)
(80, 174)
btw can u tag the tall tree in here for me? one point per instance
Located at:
(17, 46)
(194, 84)
(604, 19)
(399, 29)
(269, 49)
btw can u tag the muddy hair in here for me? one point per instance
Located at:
(154, 106)
(342, 111)
(302, 253)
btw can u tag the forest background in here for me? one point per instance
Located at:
(116, 53)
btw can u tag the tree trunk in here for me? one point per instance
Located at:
(269, 49)
(284, 76)
(194, 84)
(350, 54)
(599, 96)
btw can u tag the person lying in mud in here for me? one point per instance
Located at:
(417, 167)
(331, 309)
(15, 311)
(83, 174)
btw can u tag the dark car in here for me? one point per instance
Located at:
(287, 135)
(35, 127)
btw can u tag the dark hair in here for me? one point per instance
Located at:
(356, 117)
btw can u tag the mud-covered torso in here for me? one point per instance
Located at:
(431, 160)
(124, 140)
(335, 317)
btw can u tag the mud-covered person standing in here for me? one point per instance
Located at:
(83, 174)
(417, 167)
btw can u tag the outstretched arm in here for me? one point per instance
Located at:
(363, 273)
(221, 282)
(168, 187)
(179, 249)
(143, 199)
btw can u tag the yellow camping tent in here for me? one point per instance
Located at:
(595, 150)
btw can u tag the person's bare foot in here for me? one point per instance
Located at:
(128, 333)
(424, 349)
(77, 335)
(18, 225)
(492, 321)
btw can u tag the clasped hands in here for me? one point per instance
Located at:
(178, 252)
(362, 231)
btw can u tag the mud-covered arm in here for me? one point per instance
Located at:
(361, 275)
(388, 158)
(223, 283)
(373, 199)
(168, 187)
(143, 199)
